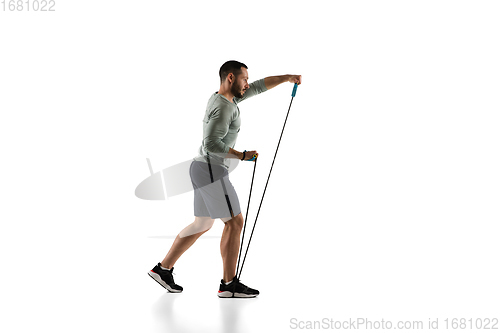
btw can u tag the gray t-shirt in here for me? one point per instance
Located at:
(221, 125)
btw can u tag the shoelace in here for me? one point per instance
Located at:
(237, 281)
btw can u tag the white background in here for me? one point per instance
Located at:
(382, 204)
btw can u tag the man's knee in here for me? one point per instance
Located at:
(236, 222)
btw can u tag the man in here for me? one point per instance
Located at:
(214, 195)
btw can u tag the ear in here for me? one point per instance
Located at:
(230, 77)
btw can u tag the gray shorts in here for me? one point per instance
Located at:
(217, 198)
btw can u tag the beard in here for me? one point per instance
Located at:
(237, 91)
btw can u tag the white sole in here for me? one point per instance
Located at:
(158, 279)
(229, 294)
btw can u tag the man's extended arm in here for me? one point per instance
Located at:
(270, 82)
(273, 81)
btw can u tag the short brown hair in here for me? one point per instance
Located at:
(231, 66)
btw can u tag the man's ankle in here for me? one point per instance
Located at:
(227, 281)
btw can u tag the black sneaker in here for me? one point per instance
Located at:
(165, 278)
(236, 289)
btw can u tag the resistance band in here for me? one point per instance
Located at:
(263, 194)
